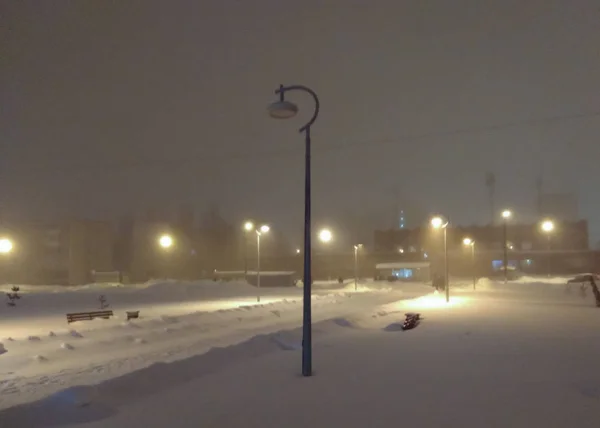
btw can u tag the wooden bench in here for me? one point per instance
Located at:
(88, 316)
(132, 315)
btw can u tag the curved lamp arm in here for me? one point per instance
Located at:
(283, 89)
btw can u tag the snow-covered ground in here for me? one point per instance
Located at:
(518, 355)
(42, 354)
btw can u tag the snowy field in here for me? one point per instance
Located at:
(41, 354)
(523, 354)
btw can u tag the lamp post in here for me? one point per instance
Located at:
(548, 227)
(263, 229)
(471, 243)
(506, 214)
(356, 248)
(441, 223)
(248, 227)
(284, 110)
(166, 243)
(325, 236)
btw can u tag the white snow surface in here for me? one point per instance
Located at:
(41, 354)
(517, 355)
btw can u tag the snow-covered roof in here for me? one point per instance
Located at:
(402, 265)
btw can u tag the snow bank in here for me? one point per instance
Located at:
(94, 351)
(480, 361)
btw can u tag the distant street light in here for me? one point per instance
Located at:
(548, 227)
(297, 250)
(356, 248)
(506, 214)
(263, 229)
(165, 241)
(248, 227)
(441, 223)
(325, 235)
(471, 243)
(283, 109)
(6, 246)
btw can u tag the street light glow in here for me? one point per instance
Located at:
(506, 214)
(437, 222)
(297, 250)
(264, 228)
(468, 241)
(547, 226)
(165, 241)
(325, 235)
(6, 246)
(248, 226)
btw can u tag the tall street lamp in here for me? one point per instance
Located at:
(471, 243)
(283, 109)
(248, 227)
(506, 214)
(356, 248)
(441, 223)
(263, 229)
(548, 227)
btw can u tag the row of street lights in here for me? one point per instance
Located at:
(438, 222)
(325, 236)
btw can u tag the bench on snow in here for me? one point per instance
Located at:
(132, 315)
(88, 316)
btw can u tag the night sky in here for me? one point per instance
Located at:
(111, 107)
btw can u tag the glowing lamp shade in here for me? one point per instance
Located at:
(467, 241)
(264, 228)
(282, 110)
(165, 241)
(248, 226)
(506, 214)
(6, 246)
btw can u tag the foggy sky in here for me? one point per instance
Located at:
(114, 106)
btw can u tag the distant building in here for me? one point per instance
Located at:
(404, 271)
(568, 236)
(565, 250)
(61, 253)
